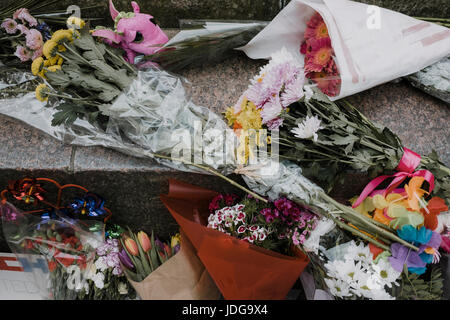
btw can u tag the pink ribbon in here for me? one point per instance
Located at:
(409, 162)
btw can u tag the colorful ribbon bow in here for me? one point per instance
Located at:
(409, 162)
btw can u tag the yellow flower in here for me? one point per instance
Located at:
(50, 49)
(42, 92)
(37, 66)
(60, 61)
(249, 117)
(47, 63)
(230, 116)
(54, 68)
(75, 22)
(61, 48)
(176, 239)
(62, 36)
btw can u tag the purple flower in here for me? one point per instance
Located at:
(125, 259)
(293, 91)
(402, 255)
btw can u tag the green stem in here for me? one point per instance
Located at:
(376, 226)
(214, 173)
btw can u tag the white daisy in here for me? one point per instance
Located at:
(308, 128)
(386, 273)
(338, 288)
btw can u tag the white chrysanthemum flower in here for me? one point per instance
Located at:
(308, 92)
(308, 128)
(284, 56)
(359, 252)
(122, 288)
(386, 273)
(338, 288)
(380, 295)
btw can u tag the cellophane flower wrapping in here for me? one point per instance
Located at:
(67, 245)
(370, 45)
(153, 116)
(241, 270)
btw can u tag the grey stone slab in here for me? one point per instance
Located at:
(24, 147)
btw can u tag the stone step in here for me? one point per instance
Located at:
(131, 186)
(168, 12)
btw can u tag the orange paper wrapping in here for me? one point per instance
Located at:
(242, 271)
(182, 277)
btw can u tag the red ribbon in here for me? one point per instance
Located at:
(409, 162)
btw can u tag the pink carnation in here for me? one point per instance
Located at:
(23, 53)
(24, 15)
(37, 53)
(9, 25)
(34, 39)
(22, 29)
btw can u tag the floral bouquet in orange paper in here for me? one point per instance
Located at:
(249, 247)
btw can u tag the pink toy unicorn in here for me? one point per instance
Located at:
(134, 33)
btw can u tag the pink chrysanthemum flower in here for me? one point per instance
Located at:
(293, 91)
(23, 53)
(9, 25)
(34, 39)
(320, 55)
(22, 29)
(37, 53)
(271, 109)
(24, 15)
(275, 123)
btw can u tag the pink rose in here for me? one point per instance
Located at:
(34, 39)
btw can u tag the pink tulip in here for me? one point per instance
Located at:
(131, 246)
(144, 241)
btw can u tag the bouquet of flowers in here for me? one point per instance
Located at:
(276, 226)
(106, 278)
(159, 271)
(349, 47)
(240, 242)
(27, 36)
(326, 138)
(67, 245)
(353, 271)
(81, 263)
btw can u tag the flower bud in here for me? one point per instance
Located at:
(131, 246)
(144, 240)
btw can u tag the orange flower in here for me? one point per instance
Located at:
(435, 206)
(131, 246)
(414, 192)
(144, 241)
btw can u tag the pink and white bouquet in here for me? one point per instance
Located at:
(275, 225)
(349, 47)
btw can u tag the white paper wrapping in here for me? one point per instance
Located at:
(372, 45)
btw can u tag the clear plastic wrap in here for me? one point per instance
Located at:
(67, 245)
(152, 117)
